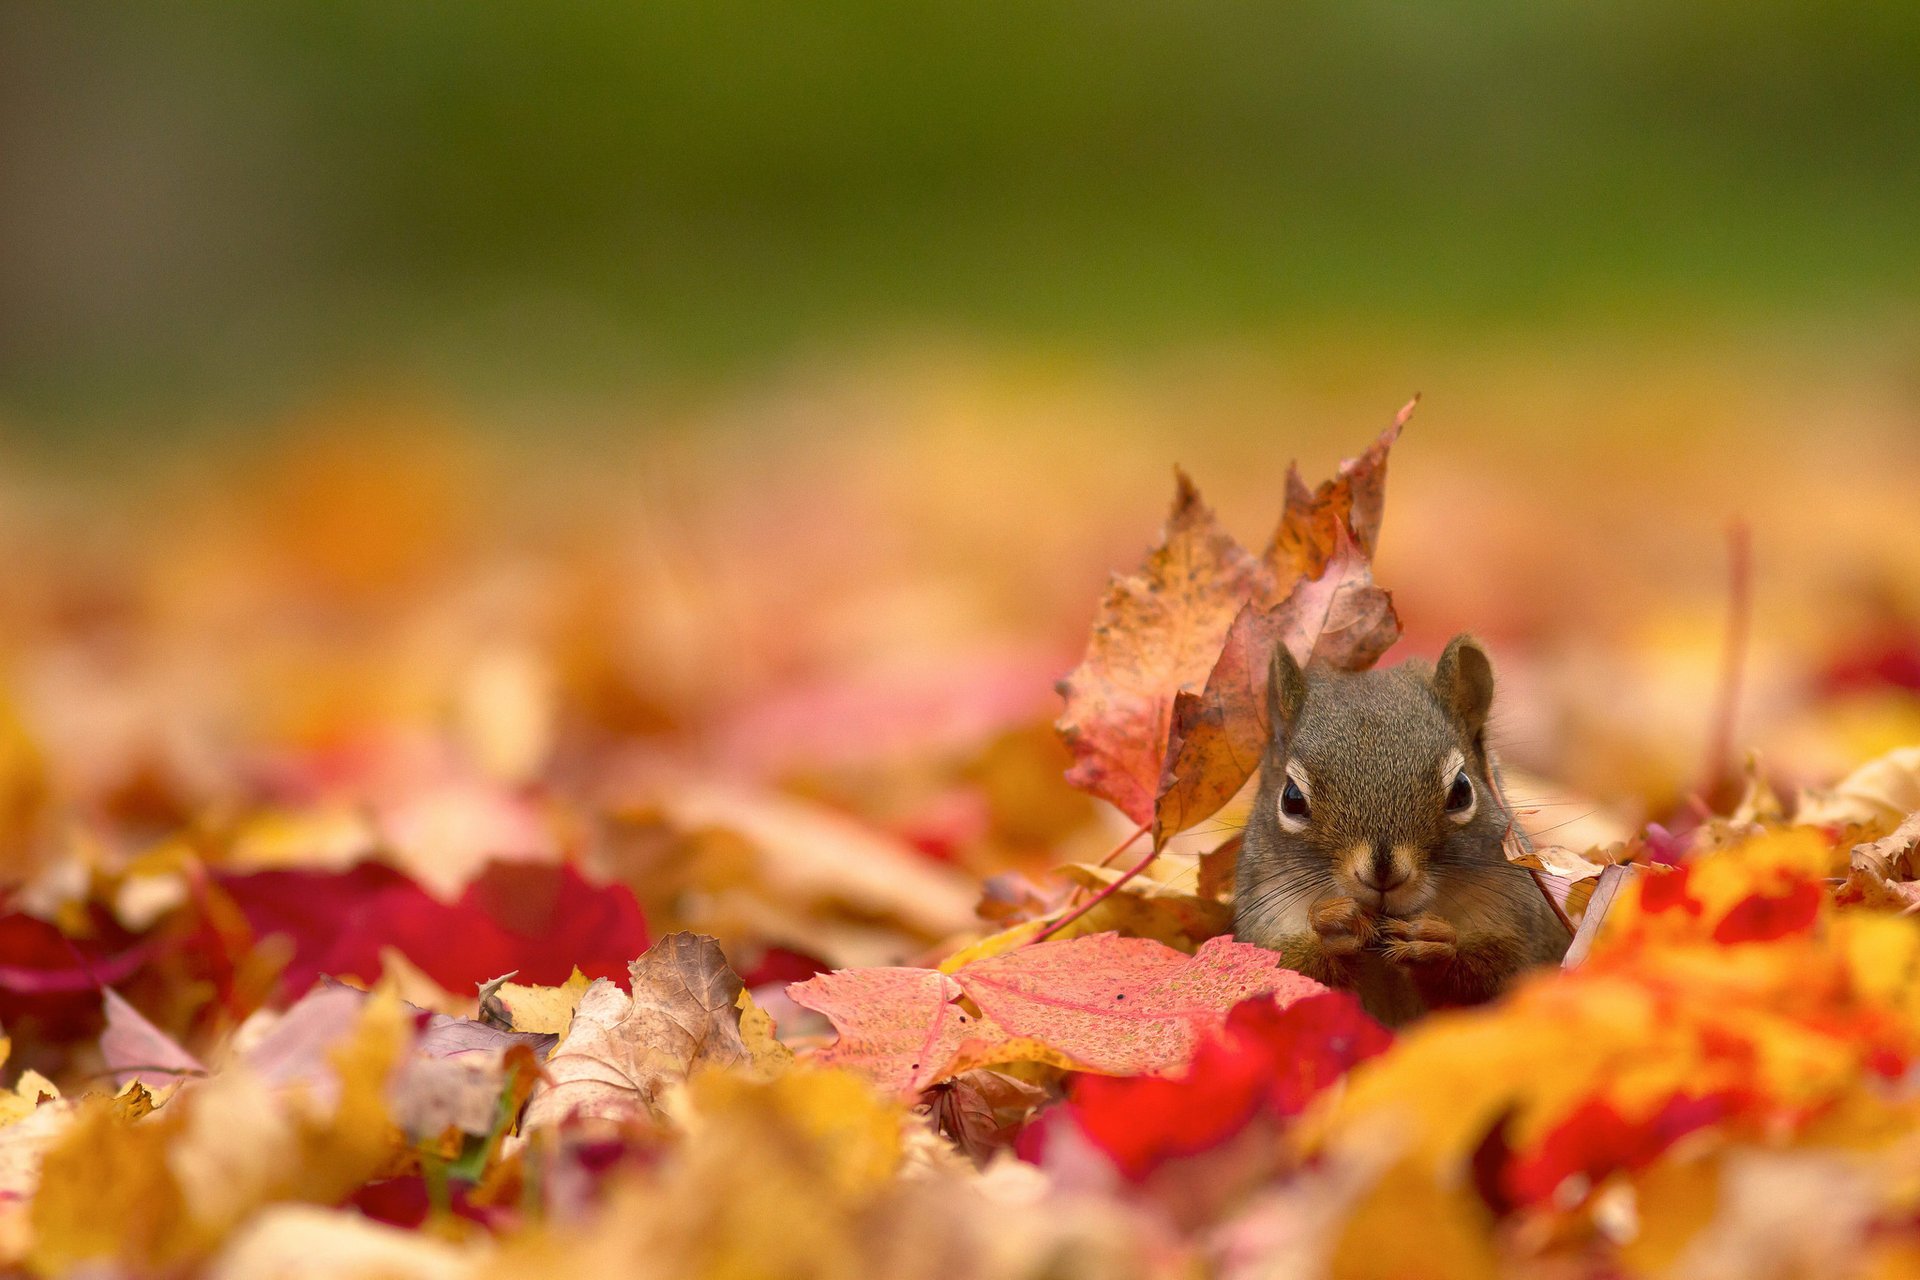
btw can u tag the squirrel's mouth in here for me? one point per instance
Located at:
(1386, 879)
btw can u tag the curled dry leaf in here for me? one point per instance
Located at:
(1891, 856)
(1882, 791)
(1354, 500)
(621, 1051)
(980, 1111)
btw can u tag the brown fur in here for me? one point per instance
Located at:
(1372, 744)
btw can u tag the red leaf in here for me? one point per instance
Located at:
(1763, 917)
(1267, 1058)
(540, 919)
(1669, 892)
(1597, 1140)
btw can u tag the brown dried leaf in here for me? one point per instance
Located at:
(1891, 856)
(980, 1111)
(1884, 790)
(1354, 501)
(1219, 734)
(1158, 632)
(621, 1052)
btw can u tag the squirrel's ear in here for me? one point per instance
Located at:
(1286, 690)
(1464, 680)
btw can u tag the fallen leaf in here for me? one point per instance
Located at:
(517, 1006)
(980, 1111)
(1891, 856)
(1884, 790)
(1125, 1006)
(901, 1029)
(1104, 1003)
(540, 919)
(306, 1242)
(1340, 619)
(1218, 735)
(1264, 1057)
(622, 1051)
(135, 1049)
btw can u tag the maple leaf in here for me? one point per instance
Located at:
(539, 919)
(1158, 631)
(1166, 716)
(902, 1029)
(1125, 1006)
(1339, 619)
(1353, 503)
(621, 1051)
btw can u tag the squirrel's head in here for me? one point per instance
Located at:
(1378, 781)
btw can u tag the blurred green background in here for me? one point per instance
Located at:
(227, 207)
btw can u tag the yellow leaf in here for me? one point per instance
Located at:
(541, 1010)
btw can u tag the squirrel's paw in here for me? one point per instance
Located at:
(1343, 927)
(1425, 939)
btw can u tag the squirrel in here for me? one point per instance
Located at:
(1372, 859)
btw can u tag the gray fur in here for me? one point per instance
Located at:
(1372, 745)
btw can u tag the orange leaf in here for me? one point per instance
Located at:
(1354, 500)
(1158, 632)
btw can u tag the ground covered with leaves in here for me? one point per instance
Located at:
(400, 887)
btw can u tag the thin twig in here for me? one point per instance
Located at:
(1122, 846)
(1733, 657)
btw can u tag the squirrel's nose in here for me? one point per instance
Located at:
(1383, 872)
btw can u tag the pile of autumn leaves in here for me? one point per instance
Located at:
(1105, 1084)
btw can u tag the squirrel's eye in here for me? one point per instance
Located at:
(1293, 801)
(1460, 794)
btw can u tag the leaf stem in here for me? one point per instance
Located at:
(1121, 848)
(1101, 896)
